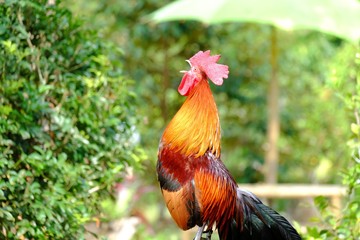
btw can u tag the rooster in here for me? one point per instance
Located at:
(195, 184)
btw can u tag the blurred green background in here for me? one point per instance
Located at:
(135, 63)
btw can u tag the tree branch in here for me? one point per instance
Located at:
(32, 47)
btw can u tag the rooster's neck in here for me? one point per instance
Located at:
(195, 128)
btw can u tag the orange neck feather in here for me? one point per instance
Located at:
(195, 128)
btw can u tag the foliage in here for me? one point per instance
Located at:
(346, 80)
(66, 122)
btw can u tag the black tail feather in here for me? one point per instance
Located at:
(257, 221)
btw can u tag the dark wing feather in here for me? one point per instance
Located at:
(258, 221)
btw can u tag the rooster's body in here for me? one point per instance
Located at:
(196, 186)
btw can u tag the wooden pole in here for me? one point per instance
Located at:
(273, 125)
(295, 191)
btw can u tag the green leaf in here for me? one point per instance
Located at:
(11, 47)
(24, 134)
(355, 128)
(6, 214)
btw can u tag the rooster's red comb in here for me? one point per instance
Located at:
(214, 71)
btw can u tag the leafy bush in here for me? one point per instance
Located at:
(66, 122)
(346, 81)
